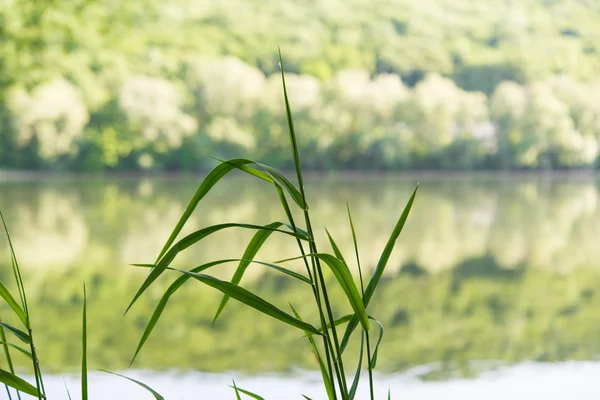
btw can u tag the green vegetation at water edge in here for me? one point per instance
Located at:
(99, 86)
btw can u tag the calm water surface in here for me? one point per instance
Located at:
(490, 272)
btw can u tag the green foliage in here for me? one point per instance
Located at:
(93, 85)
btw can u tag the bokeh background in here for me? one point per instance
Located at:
(110, 111)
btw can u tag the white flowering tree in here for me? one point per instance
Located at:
(51, 117)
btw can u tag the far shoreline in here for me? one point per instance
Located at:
(340, 175)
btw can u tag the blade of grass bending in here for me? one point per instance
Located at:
(326, 381)
(186, 242)
(84, 371)
(237, 393)
(20, 349)
(209, 181)
(17, 383)
(156, 395)
(248, 393)
(272, 175)
(25, 338)
(306, 397)
(12, 303)
(345, 280)
(251, 300)
(352, 392)
(362, 290)
(381, 264)
(373, 360)
(184, 278)
(255, 244)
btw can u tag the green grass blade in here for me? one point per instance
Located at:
(84, 370)
(67, 389)
(24, 337)
(272, 175)
(389, 247)
(355, 242)
(8, 360)
(340, 321)
(16, 271)
(12, 303)
(292, 131)
(336, 250)
(148, 388)
(352, 392)
(326, 381)
(373, 361)
(251, 300)
(247, 393)
(381, 264)
(17, 383)
(184, 278)
(20, 349)
(188, 241)
(253, 247)
(211, 179)
(389, 394)
(237, 393)
(344, 278)
(306, 397)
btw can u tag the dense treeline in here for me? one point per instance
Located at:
(104, 85)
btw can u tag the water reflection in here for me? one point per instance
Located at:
(488, 269)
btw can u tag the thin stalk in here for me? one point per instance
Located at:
(36, 370)
(315, 288)
(8, 360)
(362, 289)
(338, 362)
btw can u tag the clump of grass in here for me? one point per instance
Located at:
(327, 341)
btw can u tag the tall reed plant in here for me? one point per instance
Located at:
(329, 334)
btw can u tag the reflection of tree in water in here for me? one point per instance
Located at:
(500, 269)
(48, 231)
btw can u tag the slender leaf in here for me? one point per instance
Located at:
(339, 321)
(273, 176)
(255, 244)
(306, 397)
(84, 371)
(381, 264)
(345, 280)
(67, 389)
(292, 131)
(373, 361)
(248, 393)
(20, 349)
(336, 250)
(24, 337)
(148, 388)
(211, 179)
(17, 383)
(184, 278)
(186, 242)
(326, 380)
(251, 300)
(352, 392)
(12, 303)
(237, 393)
